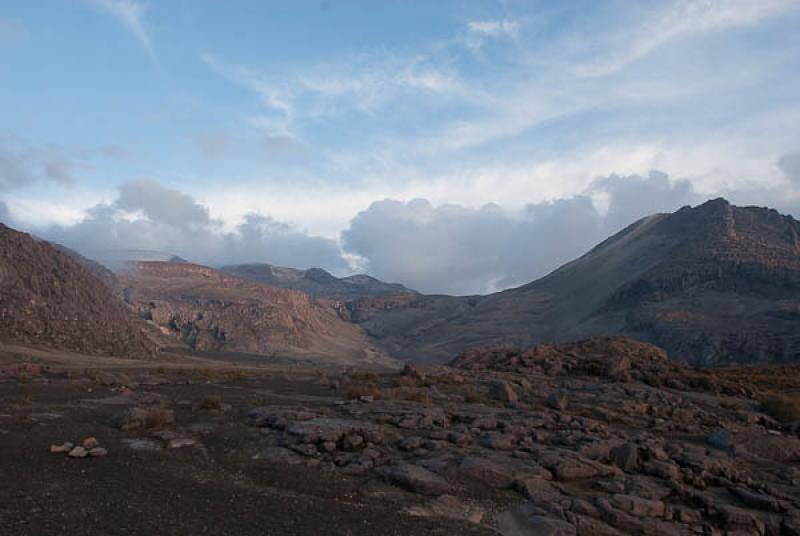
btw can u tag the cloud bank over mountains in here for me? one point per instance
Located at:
(444, 248)
(437, 249)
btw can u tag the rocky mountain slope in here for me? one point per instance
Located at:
(209, 310)
(47, 298)
(316, 281)
(711, 284)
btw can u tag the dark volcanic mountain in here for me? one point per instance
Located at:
(48, 298)
(317, 282)
(209, 310)
(711, 284)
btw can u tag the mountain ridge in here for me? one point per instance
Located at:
(716, 267)
(316, 281)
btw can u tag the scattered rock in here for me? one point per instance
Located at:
(523, 520)
(538, 490)
(181, 442)
(78, 452)
(62, 448)
(638, 507)
(98, 452)
(416, 479)
(558, 400)
(450, 507)
(491, 473)
(502, 391)
(626, 457)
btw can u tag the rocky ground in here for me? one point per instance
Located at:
(601, 437)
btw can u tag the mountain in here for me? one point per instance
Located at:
(317, 282)
(712, 284)
(117, 259)
(95, 268)
(48, 298)
(209, 310)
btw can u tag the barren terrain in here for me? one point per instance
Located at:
(600, 437)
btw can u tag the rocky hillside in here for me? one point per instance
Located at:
(605, 436)
(47, 298)
(317, 282)
(712, 284)
(209, 310)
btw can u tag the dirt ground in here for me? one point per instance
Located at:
(214, 487)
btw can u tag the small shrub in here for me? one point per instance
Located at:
(25, 399)
(211, 403)
(405, 381)
(783, 407)
(157, 417)
(418, 395)
(472, 396)
(357, 391)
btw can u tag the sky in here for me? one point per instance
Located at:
(457, 147)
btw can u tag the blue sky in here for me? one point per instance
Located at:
(302, 132)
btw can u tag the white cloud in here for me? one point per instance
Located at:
(454, 249)
(678, 19)
(481, 30)
(149, 216)
(23, 164)
(494, 27)
(131, 14)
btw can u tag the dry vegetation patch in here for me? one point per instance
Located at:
(784, 407)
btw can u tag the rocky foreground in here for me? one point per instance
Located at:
(601, 437)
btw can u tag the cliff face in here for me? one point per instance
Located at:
(47, 298)
(212, 311)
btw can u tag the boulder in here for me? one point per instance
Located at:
(558, 400)
(491, 473)
(502, 391)
(524, 520)
(637, 506)
(626, 457)
(416, 479)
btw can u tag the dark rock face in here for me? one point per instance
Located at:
(713, 284)
(47, 298)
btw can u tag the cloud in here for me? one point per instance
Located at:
(162, 205)
(480, 30)
(361, 84)
(242, 145)
(115, 152)
(677, 19)
(458, 250)
(494, 28)
(5, 215)
(148, 216)
(444, 248)
(789, 165)
(131, 14)
(23, 165)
